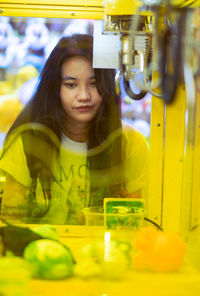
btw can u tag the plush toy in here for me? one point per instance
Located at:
(8, 45)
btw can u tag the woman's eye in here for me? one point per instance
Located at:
(70, 85)
(93, 84)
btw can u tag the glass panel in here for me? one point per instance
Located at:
(25, 44)
(48, 181)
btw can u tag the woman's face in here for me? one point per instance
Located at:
(78, 92)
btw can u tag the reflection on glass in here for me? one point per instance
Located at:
(52, 182)
(68, 149)
(25, 44)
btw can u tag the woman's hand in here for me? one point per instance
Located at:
(126, 194)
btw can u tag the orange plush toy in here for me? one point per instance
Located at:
(158, 251)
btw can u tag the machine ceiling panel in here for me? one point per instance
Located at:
(59, 9)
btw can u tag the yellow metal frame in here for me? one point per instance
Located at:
(173, 161)
(195, 201)
(174, 193)
(76, 9)
(121, 7)
(156, 160)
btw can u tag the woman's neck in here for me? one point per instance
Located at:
(77, 132)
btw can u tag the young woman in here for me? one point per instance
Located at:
(68, 149)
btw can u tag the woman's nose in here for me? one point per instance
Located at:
(84, 94)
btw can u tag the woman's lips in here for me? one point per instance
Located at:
(84, 108)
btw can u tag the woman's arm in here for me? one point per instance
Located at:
(14, 204)
(135, 163)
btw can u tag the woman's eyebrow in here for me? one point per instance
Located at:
(91, 78)
(74, 78)
(69, 78)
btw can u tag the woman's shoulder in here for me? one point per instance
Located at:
(131, 134)
(133, 141)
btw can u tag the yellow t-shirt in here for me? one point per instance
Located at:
(70, 193)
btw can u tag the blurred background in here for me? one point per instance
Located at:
(25, 44)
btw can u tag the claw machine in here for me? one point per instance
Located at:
(154, 48)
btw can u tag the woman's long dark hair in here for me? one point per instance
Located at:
(45, 106)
